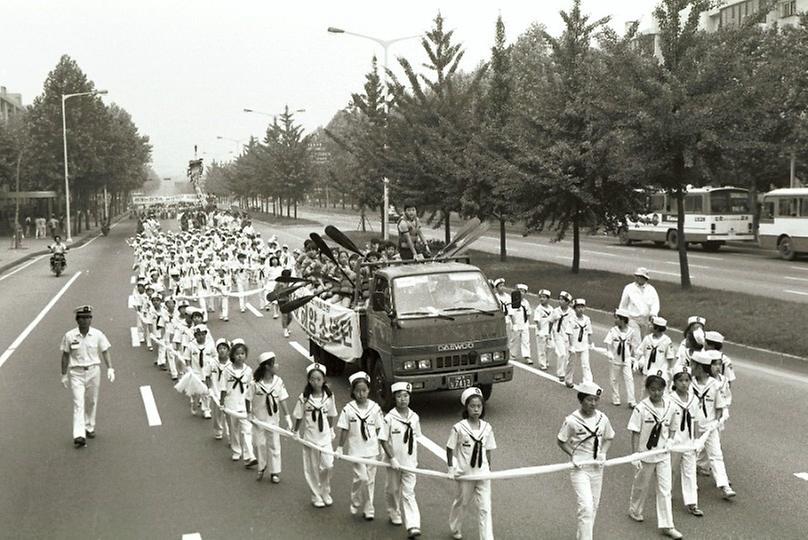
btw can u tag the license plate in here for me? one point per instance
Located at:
(460, 381)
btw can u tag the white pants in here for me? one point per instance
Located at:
(639, 490)
(241, 286)
(574, 357)
(400, 496)
(622, 370)
(363, 486)
(640, 325)
(268, 444)
(141, 326)
(543, 346)
(241, 437)
(687, 463)
(466, 492)
(225, 300)
(161, 350)
(202, 401)
(172, 361)
(587, 482)
(317, 468)
(519, 343)
(220, 425)
(562, 352)
(712, 449)
(84, 385)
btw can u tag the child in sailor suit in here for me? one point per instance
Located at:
(541, 316)
(237, 376)
(559, 322)
(518, 312)
(215, 382)
(656, 352)
(622, 346)
(468, 451)
(266, 401)
(684, 426)
(579, 331)
(199, 355)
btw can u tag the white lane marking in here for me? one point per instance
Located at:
(566, 258)
(796, 278)
(676, 274)
(254, 311)
(802, 293)
(535, 371)
(151, 407)
(690, 265)
(135, 336)
(708, 257)
(423, 440)
(601, 253)
(132, 280)
(801, 475)
(803, 268)
(192, 536)
(26, 265)
(28, 329)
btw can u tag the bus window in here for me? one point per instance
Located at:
(804, 207)
(729, 202)
(767, 212)
(788, 207)
(657, 203)
(693, 204)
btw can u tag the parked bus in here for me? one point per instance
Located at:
(713, 216)
(784, 222)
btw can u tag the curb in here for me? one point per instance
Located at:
(84, 239)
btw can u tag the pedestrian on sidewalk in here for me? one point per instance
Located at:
(82, 350)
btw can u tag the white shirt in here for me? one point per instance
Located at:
(541, 316)
(581, 433)
(660, 354)
(86, 350)
(265, 399)
(519, 317)
(395, 429)
(236, 384)
(579, 329)
(559, 321)
(647, 417)
(310, 410)
(350, 419)
(710, 399)
(622, 345)
(467, 443)
(640, 302)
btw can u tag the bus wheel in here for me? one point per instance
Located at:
(673, 239)
(711, 246)
(487, 389)
(379, 386)
(622, 236)
(785, 247)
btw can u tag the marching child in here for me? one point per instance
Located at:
(399, 439)
(222, 285)
(579, 331)
(650, 427)
(622, 344)
(233, 394)
(518, 312)
(725, 372)
(139, 299)
(286, 318)
(199, 355)
(541, 316)
(266, 399)
(684, 419)
(170, 314)
(215, 383)
(693, 341)
(656, 351)
(502, 295)
(359, 424)
(586, 435)
(157, 324)
(559, 321)
(314, 413)
(468, 451)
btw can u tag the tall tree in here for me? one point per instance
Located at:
(288, 151)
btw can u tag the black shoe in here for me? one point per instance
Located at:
(91, 434)
(251, 464)
(367, 517)
(79, 442)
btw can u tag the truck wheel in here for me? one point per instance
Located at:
(785, 247)
(622, 236)
(380, 387)
(487, 390)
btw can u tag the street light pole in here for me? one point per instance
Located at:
(69, 233)
(385, 44)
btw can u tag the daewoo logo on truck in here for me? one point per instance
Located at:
(456, 346)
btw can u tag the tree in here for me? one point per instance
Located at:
(288, 154)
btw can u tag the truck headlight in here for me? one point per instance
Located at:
(485, 358)
(408, 365)
(499, 356)
(425, 364)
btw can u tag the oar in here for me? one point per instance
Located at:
(469, 239)
(289, 307)
(290, 279)
(339, 237)
(461, 234)
(274, 295)
(323, 247)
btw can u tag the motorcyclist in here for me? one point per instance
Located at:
(57, 249)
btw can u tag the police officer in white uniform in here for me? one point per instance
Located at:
(82, 350)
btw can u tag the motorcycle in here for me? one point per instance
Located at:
(58, 261)
(105, 228)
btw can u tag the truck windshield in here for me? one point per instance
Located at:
(453, 291)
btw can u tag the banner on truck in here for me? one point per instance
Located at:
(335, 328)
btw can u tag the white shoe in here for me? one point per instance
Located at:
(235, 457)
(285, 332)
(672, 533)
(395, 520)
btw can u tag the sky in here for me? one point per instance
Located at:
(186, 70)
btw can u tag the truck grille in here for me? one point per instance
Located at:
(455, 360)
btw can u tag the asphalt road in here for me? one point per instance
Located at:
(173, 479)
(733, 268)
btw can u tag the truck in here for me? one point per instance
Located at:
(435, 324)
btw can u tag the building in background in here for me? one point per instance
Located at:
(10, 104)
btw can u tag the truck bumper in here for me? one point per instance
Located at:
(440, 381)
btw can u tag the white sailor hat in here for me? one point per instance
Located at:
(545, 292)
(588, 388)
(318, 367)
(681, 368)
(713, 336)
(714, 355)
(222, 341)
(702, 357)
(401, 387)
(564, 295)
(469, 392)
(264, 356)
(237, 341)
(183, 303)
(579, 302)
(358, 376)
(200, 329)
(498, 281)
(522, 287)
(620, 312)
(642, 272)
(659, 321)
(693, 319)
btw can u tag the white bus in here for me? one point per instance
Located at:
(784, 222)
(713, 216)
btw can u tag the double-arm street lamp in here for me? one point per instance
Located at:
(273, 115)
(65, 97)
(385, 44)
(239, 142)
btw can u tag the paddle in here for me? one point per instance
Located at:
(461, 234)
(469, 239)
(339, 237)
(289, 307)
(274, 295)
(290, 279)
(323, 247)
